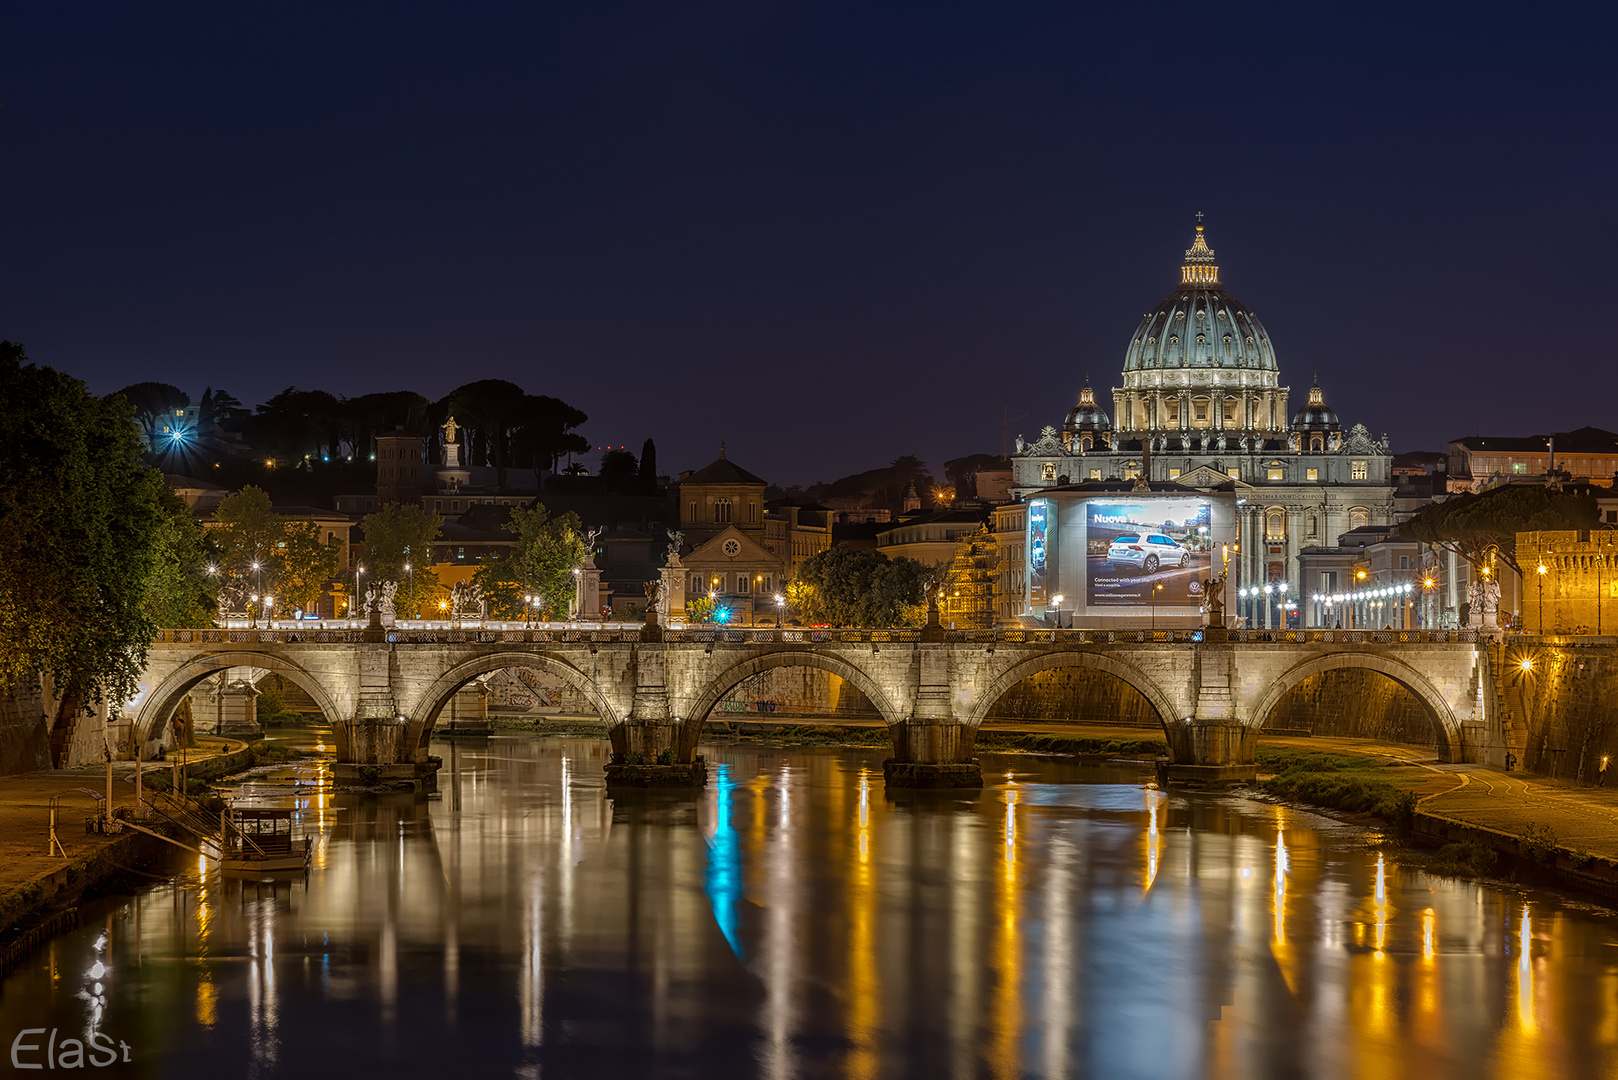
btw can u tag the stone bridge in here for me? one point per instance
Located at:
(1213, 690)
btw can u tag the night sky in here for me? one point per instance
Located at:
(825, 233)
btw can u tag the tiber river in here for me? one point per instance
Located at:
(794, 920)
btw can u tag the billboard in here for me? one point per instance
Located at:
(1039, 524)
(1147, 552)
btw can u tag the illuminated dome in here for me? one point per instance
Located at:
(1087, 415)
(1200, 327)
(1317, 415)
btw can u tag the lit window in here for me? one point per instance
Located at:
(1358, 471)
(1174, 474)
(1276, 474)
(1312, 474)
(1095, 474)
(1233, 473)
(1316, 444)
(1199, 410)
(1047, 472)
(1275, 525)
(1358, 519)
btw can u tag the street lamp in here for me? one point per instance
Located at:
(1542, 572)
(1157, 588)
(269, 612)
(410, 590)
(358, 570)
(1056, 601)
(779, 601)
(252, 612)
(258, 578)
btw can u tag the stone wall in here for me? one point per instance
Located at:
(25, 741)
(1078, 695)
(1569, 700)
(1353, 703)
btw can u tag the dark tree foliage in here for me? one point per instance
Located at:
(648, 467)
(875, 487)
(80, 521)
(547, 434)
(1470, 525)
(369, 415)
(154, 405)
(962, 472)
(619, 474)
(298, 425)
(845, 586)
(219, 408)
(181, 592)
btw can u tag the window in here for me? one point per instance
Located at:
(1313, 475)
(1358, 518)
(1275, 525)
(764, 584)
(1199, 410)
(1358, 471)
(741, 585)
(1314, 525)
(1131, 472)
(1047, 471)
(1317, 443)
(1084, 442)
(1328, 581)
(721, 510)
(1404, 562)
(1095, 474)
(438, 504)
(1171, 413)
(1234, 473)
(1174, 474)
(691, 515)
(460, 553)
(455, 504)
(1274, 473)
(696, 584)
(752, 511)
(1233, 412)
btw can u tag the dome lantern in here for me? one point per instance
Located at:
(1199, 270)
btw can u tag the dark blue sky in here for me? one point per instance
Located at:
(825, 233)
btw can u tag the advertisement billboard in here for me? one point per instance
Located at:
(1039, 524)
(1147, 552)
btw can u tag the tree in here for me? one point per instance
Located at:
(846, 586)
(399, 547)
(619, 475)
(547, 551)
(648, 467)
(79, 518)
(249, 532)
(305, 565)
(154, 405)
(298, 424)
(1469, 525)
(182, 593)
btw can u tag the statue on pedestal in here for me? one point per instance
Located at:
(452, 449)
(676, 540)
(1213, 591)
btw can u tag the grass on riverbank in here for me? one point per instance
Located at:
(1337, 782)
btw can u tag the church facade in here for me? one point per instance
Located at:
(1201, 404)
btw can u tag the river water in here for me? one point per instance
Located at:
(794, 919)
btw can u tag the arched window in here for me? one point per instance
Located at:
(1317, 443)
(1275, 524)
(1047, 471)
(1084, 442)
(721, 510)
(1314, 526)
(1359, 517)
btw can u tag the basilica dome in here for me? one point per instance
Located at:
(1087, 415)
(1199, 326)
(1317, 415)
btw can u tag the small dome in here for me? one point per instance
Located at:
(1199, 325)
(1087, 415)
(1317, 415)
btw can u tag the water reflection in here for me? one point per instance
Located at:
(796, 919)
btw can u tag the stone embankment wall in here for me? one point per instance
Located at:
(1568, 702)
(25, 741)
(1353, 703)
(793, 691)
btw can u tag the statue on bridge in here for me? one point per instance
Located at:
(233, 600)
(590, 548)
(1483, 604)
(379, 598)
(466, 600)
(676, 540)
(1213, 590)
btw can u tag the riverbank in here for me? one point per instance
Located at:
(34, 883)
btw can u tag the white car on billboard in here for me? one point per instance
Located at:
(1146, 552)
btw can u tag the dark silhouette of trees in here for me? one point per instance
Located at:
(648, 467)
(1470, 525)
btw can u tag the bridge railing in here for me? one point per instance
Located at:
(815, 636)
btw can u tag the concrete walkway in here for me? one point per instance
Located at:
(25, 815)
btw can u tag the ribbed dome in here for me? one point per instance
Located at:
(1200, 325)
(1317, 415)
(1087, 415)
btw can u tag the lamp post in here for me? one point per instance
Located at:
(358, 570)
(1427, 584)
(1542, 572)
(269, 612)
(410, 590)
(1157, 588)
(779, 601)
(252, 612)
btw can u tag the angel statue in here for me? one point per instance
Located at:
(676, 540)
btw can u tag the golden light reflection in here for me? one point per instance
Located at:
(1525, 974)
(1381, 907)
(1427, 952)
(1007, 1023)
(207, 1000)
(1279, 947)
(864, 995)
(1153, 840)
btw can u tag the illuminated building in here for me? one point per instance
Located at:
(1202, 406)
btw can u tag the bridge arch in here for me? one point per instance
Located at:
(432, 702)
(1123, 670)
(1445, 725)
(165, 697)
(721, 684)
